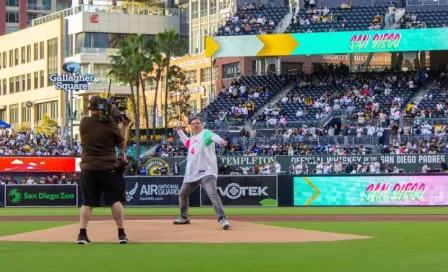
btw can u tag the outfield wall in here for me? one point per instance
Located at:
(250, 190)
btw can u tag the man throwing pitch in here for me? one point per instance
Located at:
(201, 169)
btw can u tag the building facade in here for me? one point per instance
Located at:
(86, 34)
(26, 94)
(18, 14)
(201, 78)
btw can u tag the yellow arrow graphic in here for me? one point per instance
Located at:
(316, 194)
(211, 46)
(277, 45)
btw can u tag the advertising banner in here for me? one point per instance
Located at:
(409, 163)
(335, 190)
(343, 42)
(245, 191)
(37, 164)
(2, 195)
(41, 195)
(156, 191)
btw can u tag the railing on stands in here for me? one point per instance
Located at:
(349, 141)
(151, 11)
(426, 3)
(231, 125)
(431, 121)
(415, 138)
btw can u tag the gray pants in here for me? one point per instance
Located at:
(209, 185)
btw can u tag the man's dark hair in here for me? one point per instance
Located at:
(196, 118)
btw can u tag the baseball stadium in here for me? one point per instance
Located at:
(265, 136)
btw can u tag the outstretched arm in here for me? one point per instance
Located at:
(182, 136)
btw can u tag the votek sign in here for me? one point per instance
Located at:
(71, 80)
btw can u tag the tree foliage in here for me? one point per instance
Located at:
(179, 107)
(47, 127)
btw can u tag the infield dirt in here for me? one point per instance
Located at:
(199, 231)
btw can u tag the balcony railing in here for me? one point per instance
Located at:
(151, 11)
(35, 7)
(88, 50)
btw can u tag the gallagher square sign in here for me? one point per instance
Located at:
(71, 80)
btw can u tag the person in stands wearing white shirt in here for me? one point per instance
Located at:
(272, 121)
(359, 131)
(30, 181)
(201, 169)
(377, 167)
(319, 168)
(370, 130)
(278, 167)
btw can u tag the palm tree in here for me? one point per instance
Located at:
(143, 58)
(124, 69)
(159, 63)
(170, 44)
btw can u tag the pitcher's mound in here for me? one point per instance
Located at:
(199, 231)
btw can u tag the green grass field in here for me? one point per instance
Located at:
(403, 247)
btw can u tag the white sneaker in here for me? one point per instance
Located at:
(224, 223)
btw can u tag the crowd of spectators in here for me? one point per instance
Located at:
(318, 15)
(29, 143)
(380, 21)
(68, 178)
(409, 20)
(252, 19)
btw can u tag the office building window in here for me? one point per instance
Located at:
(5, 86)
(3, 115)
(101, 72)
(1, 61)
(231, 70)
(203, 102)
(11, 58)
(191, 76)
(26, 113)
(36, 51)
(42, 50)
(13, 114)
(28, 81)
(42, 78)
(12, 3)
(212, 7)
(22, 54)
(16, 56)
(11, 85)
(52, 47)
(17, 87)
(49, 108)
(28, 53)
(204, 8)
(54, 110)
(12, 17)
(205, 74)
(23, 83)
(194, 9)
(5, 59)
(36, 80)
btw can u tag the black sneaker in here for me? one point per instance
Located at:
(123, 239)
(83, 240)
